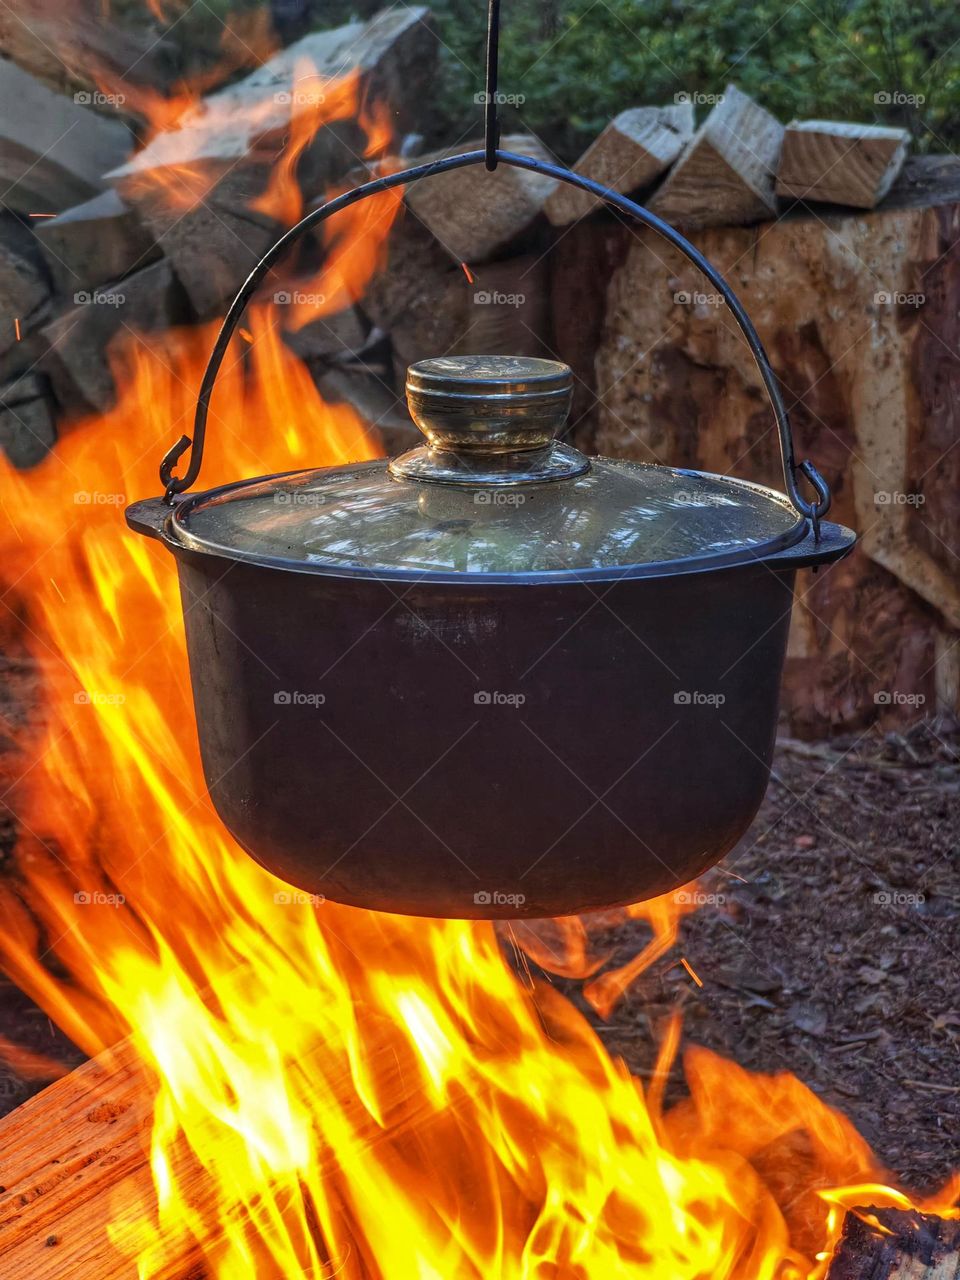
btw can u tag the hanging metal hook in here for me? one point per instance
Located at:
(491, 119)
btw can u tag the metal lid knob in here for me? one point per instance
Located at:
(489, 420)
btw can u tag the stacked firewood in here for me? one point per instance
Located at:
(102, 236)
(740, 166)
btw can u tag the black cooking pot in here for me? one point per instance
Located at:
(493, 677)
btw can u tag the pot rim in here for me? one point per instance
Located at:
(796, 547)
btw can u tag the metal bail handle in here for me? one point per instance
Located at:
(173, 484)
(491, 156)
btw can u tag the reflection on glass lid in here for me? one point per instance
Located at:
(617, 514)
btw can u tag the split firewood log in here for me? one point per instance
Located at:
(634, 148)
(727, 171)
(99, 240)
(54, 149)
(851, 164)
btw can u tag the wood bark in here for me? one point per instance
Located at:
(896, 1244)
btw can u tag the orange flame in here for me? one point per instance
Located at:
(314, 102)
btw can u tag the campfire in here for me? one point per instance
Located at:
(280, 1085)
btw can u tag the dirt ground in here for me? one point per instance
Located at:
(831, 949)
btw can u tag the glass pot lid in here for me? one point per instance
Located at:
(491, 494)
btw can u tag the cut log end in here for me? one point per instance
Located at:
(833, 163)
(896, 1244)
(725, 174)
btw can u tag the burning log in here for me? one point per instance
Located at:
(634, 148)
(78, 1144)
(53, 149)
(100, 240)
(896, 1244)
(195, 186)
(726, 173)
(75, 1171)
(852, 164)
